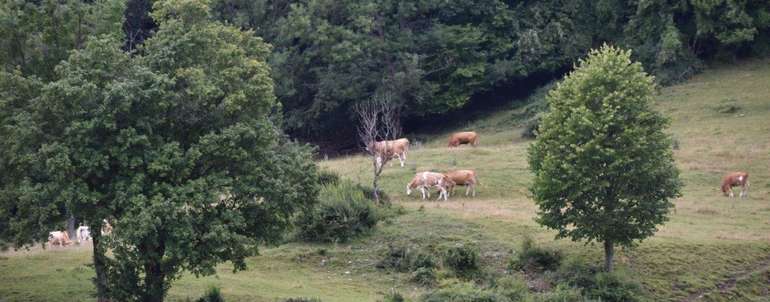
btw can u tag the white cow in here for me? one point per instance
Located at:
(83, 233)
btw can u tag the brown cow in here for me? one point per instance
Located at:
(460, 138)
(736, 179)
(465, 178)
(389, 149)
(58, 237)
(425, 180)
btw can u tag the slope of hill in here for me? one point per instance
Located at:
(712, 249)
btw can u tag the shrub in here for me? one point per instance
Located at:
(463, 292)
(596, 284)
(614, 286)
(575, 272)
(462, 259)
(394, 296)
(405, 258)
(212, 295)
(530, 127)
(534, 258)
(562, 293)
(326, 178)
(425, 276)
(514, 288)
(342, 213)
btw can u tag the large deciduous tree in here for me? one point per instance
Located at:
(603, 166)
(177, 146)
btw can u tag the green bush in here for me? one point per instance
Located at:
(562, 293)
(406, 259)
(462, 259)
(514, 288)
(534, 258)
(463, 292)
(326, 177)
(614, 287)
(425, 276)
(342, 214)
(607, 287)
(394, 296)
(212, 295)
(575, 272)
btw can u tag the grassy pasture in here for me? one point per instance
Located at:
(712, 249)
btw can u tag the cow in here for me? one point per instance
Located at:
(465, 178)
(83, 233)
(58, 237)
(389, 149)
(426, 180)
(106, 228)
(460, 138)
(736, 179)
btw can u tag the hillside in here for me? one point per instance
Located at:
(712, 249)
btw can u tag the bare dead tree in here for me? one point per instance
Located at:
(379, 124)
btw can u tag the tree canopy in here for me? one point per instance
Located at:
(603, 165)
(178, 146)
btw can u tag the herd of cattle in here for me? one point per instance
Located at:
(423, 181)
(445, 182)
(82, 234)
(426, 180)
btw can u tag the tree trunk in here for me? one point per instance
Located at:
(154, 282)
(71, 222)
(100, 262)
(609, 253)
(375, 181)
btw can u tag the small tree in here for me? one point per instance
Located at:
(379, 121)
(603, 166)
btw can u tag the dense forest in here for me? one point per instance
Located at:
(434, 57)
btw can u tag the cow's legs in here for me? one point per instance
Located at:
(402, 158)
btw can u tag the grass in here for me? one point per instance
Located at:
(712, 248)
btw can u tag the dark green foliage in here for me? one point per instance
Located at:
(613, 287)
(212, 295)
(562, 293)
(463, 292)
(425, 276)
(603, 165)
(435, 56)
(326, 177)
(514, 288)
(463, 259)
(343, 213)
(531, 257)
(405, 258)
(394, 296)
(176, 145)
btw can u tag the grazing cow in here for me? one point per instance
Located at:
(736, 179)
(460, 138)
(106, 227)
(83, 233)
(58, 237)
(426, 180)
(465, 178)
(389, 149)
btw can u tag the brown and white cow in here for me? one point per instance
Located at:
(389, 149)
(427, 180)
(58, 237)
(460, 138)
(736, 179)
(465, 178)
